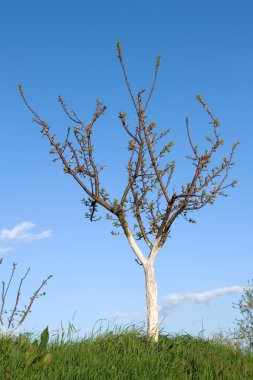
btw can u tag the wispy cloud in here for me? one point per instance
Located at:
(174, 300)
(116, 314)
(5, 249)
(21, 232)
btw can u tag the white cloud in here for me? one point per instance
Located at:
(139, 314)
(174, 300)
(21, 232)
(115, 314)
(5, 249)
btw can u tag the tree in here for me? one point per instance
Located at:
(11, 322)
(147, 195)
(244, 330)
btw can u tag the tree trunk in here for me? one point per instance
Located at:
(152, 301)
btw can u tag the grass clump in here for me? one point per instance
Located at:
(124, 354)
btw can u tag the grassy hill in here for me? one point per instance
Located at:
(124, 354)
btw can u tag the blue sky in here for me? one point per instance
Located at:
(68, 48)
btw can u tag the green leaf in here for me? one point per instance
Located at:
(32, 353)
(44, 338)
(47, 360)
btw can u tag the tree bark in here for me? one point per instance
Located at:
(151, 300)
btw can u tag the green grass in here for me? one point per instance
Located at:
(125, 354)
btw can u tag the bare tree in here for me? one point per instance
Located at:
(148, 195)
(11, 322)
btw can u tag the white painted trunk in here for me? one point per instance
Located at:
(152, 301)
(151, 286)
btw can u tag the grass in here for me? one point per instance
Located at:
(122, 354)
